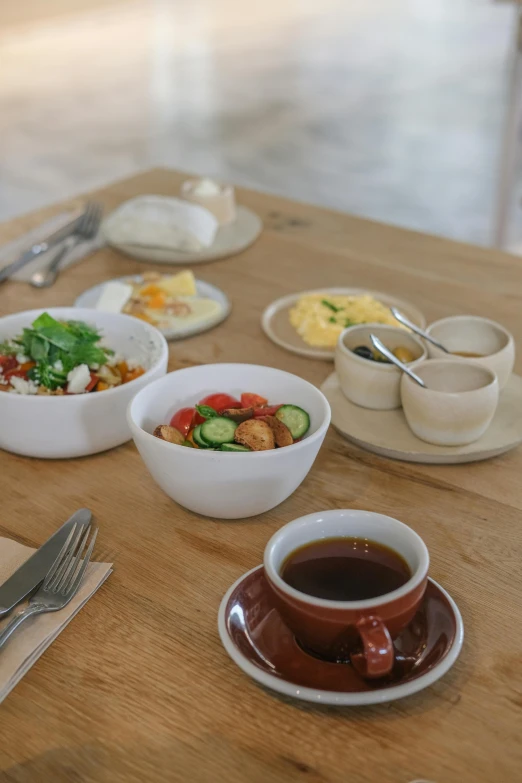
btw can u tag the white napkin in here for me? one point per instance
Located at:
(35, 635)
(11, 251)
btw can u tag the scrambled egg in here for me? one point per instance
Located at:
(320, 318)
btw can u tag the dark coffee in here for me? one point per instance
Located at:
(345, 569)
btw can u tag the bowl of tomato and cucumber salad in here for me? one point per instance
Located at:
(67, 375)
(229, 440)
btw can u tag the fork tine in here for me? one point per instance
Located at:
(76, 579)
(66, 560)
(92, 220)
(51, 572)
(63, 579)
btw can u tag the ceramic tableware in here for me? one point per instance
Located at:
(90, 297)
(474, 334)
(372, 384)
(387, 433)
(230, 239)
(457, 406)
(80, 424)
(214, 483)
(332, 628)
(275, 320)
(257, 639)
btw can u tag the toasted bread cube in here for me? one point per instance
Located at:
(238, 414)
(282, 435)
(255, 434)
(168, 433)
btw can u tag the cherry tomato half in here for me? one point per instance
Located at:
(183, 420)
(252, 400)
(220, 402)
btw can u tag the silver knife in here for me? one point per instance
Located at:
(33, 571)
(40, 247)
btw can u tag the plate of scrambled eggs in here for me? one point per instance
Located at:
(309, 323)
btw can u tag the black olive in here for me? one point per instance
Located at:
(364, 352)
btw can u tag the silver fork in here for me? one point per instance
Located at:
(62, 581)
(87, 228)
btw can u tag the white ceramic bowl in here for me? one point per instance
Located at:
(475, 334)
(80, 424)
(218, 484)
(371, 384)
(456, 407)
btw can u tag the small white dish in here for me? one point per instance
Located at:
(455, 407)
(387, 433)
(372, 384)
(276, 324)
(219, 199)
(214, 483)
(80, 424)
(474, 334)
(90, 297)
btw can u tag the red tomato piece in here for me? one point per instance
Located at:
(268, 410)
(7, 363)
(252, 400)
(18, 373)
(220, 402)
(92, 383)
(183, 420)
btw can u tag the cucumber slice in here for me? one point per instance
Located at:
(198, 438)
(234, 447)
(296, 419)
(218, 430)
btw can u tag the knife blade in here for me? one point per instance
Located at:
(40, 247)
(26, 578)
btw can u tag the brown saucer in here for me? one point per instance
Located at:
(256, 638)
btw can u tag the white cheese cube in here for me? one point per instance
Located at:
(78, 379)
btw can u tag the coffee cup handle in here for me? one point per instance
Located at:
(377, 657)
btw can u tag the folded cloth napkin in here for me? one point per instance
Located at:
(11, 251)
(35, 635)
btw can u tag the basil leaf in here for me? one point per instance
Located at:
(206, 411)
(39, 348)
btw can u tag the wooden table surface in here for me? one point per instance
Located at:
(138, 686)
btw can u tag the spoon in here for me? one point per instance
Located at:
(414, 328)
(393, 359)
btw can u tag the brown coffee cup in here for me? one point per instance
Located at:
(334, 630)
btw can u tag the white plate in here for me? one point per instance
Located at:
(276, 324)
(387, 433)
(90, 297)
(230, 240)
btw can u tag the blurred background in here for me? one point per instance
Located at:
(390, 109)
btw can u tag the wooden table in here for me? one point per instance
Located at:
(138, 687)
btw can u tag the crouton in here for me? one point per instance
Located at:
(282, 435)
(238, 414)
(168, 433)
(255, 434)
